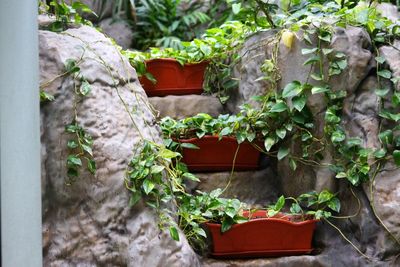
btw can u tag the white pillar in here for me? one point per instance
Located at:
(21, 235)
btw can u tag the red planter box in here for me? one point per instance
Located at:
(218, 155)
(263, 237)
(173, 78)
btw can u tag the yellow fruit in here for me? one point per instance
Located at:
(288, 38)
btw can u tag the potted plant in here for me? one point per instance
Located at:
(237, 232)
(173, 71)
(214, 144)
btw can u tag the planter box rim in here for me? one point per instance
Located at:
(309, 221)
(175, 61)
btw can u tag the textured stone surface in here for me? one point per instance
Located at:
(256, 188)
(89, 223)
(119, 30)
(388, 10)
(179, 107)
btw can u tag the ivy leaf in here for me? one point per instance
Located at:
(319, 89)
(156, 169)
(174, 233)
(191, 176)
(295, 208)
(73, 160)
(282, 152)
(382, 92)
(341, 175)
(385, 74)
(168, 154)
(338, 136)
(91, 164)
(380, 153)
(327, 51)
(334, 204)
(134, 199)
(226, 224)
(312, 60)
(189, 146)
(279, 107)
(225, 131)
(148, 186)
(200, 232)
(396, 99)
(281, 133)
(380, 60)
(236, 8)
(292, 164)
(72, 144)
(292, 89)
(306, 51)
(324, 196)
(87, 149)
(268, 143)
(396, 157)
(316, 76)
(386, 137)
(299, 102)
(85, 88)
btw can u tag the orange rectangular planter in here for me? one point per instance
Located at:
(263, 237)
(218, 155)
(173, 78)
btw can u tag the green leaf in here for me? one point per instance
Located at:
(341, 175)
(279, 107)
(225, 131)
(338, 136)
(324, 196)
(381, 153)
(299, 102)
(174, 233)
(396, 157)
(268, 143)
(236, 8)
(382, 92)
(292, 164)
(168, 154)
(134, 199)
(73, 160)
(156, 169)
(72, 144)
(327, 51)
(316, 76)
(281, 133)
(319, 89)
(148, 186)
(292, 89)
(312, 60)
(191, 176)
(85, 88)
(306, 51)
(282, 152)
(386, 137)
(91, 164)
(200, 232)
(380, 60)
(226, 224)
(385, 74)
(87, 149)
(189, 146)
(295, 208)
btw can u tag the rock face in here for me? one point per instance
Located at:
(89, 223)
(119, 30)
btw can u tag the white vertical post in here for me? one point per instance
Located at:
(21, 235)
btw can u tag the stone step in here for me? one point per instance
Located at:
(179, 107)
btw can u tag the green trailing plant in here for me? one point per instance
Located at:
(219, 46)
(65, 14)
